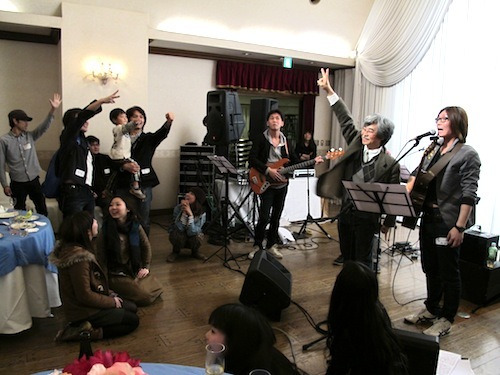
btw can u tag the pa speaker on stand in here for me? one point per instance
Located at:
(259, 108)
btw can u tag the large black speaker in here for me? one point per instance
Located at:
(259, 108)
(480, 285)
(474, 249)
(422, 351)
(224, 119)
(267, 286)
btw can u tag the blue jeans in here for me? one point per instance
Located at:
(441, 267)
(271, 199)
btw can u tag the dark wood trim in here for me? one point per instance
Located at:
(214, 56)
(53, 38)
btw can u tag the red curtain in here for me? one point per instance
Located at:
(238, 75)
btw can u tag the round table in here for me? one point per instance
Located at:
(28, 282)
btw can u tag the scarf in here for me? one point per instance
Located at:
(111, 230)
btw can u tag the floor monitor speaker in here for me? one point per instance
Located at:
(267, 286)
(422, 351)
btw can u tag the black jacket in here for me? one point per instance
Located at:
(143, 151)
(72, 164)
(259, 154)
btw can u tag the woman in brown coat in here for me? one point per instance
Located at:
(88, 303)
(124, 252)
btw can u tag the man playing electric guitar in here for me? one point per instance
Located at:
(268, 148)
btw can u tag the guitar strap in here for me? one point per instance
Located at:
(426, 178)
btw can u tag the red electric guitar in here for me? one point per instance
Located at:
(260, 182)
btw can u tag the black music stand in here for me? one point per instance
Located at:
(379, 198)
(225, 168)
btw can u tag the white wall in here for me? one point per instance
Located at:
(179, 85)
(87, 33)
(29, 75)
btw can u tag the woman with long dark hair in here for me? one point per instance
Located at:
(125, 252)
(360, 337)
(249, 341)
(306, 148)
(88, 302)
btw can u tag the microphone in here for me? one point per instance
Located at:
(419, 137)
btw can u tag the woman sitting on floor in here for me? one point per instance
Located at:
(124, 250)
(88, 303)
(249, 341)
(189, 218)
(360, 337)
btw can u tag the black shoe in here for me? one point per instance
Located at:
(339, 261)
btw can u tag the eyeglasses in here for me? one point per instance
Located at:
(441, 119)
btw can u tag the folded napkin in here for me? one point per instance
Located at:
(40, 223)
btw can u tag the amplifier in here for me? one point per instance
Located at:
(475, 246)
(480, 285)
(311, 172)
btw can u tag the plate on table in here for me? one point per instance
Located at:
(8, 214)
(22, 225)
(33, 218)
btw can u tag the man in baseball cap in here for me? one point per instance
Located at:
(17, 150)
(18, 114)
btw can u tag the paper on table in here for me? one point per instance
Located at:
(447, 361)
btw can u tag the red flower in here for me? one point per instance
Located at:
(83, 365)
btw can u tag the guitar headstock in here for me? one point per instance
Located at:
(333, 153)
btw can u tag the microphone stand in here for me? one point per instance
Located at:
(309, 218)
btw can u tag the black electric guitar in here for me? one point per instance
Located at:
(260, 182)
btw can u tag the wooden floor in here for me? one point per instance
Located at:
(172, 329)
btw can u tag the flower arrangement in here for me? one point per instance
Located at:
(103, 363)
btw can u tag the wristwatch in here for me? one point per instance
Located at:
(460, 229)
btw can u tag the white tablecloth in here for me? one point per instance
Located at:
(295, 208)
(27, 292)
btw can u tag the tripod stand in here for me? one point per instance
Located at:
(309, 218)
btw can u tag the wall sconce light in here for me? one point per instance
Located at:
(105, 72)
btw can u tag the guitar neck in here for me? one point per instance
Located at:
(303, 164)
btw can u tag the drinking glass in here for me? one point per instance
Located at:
(259, 371)
(12, 204)
(214, 361)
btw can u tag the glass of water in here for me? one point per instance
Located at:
(214, 361)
